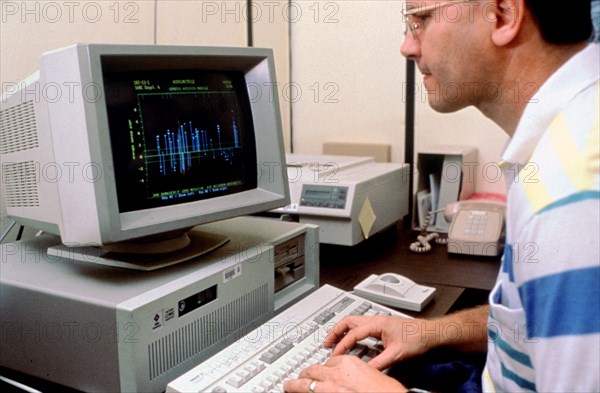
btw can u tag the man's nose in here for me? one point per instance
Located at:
(410, 47)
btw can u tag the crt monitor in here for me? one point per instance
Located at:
(112, 145)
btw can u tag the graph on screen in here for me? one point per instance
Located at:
(188, 136)
(178, 149)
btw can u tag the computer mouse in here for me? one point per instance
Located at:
(390, 278)
(395, 290)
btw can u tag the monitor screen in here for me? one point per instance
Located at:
(179, 136)
(130, 142)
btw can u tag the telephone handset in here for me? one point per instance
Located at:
(477, 227)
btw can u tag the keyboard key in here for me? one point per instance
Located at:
(265, 366)
(236, 381)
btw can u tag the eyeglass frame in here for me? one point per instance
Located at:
(415, 26)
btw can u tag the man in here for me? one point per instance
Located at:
(526, 65)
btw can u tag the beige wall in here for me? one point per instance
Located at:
(350, 51)
(346, 61)
(467, 127)
(29, 28)
(271, 30)
(347, 77)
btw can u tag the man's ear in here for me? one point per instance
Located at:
(508, 16)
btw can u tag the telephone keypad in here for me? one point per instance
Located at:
(476, 222)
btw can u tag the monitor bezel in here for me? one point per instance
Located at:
(101, 194)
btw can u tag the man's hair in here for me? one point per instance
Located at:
(562, 22)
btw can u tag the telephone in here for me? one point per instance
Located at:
(477, 227)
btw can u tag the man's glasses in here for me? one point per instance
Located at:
(415, 17)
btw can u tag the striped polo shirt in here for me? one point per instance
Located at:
(544, 324)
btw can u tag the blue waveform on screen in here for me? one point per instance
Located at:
(176, 150)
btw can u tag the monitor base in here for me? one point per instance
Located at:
(199, 243)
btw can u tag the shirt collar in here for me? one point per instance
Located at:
(575, 75)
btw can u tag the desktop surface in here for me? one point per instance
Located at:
(459, 279)
(454, 276)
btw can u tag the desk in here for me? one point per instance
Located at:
(344, 267)
(456, 277)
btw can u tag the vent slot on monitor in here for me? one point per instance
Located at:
(183, 344)
(21, 184)
(18, 130)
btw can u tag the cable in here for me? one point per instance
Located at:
(422, 244)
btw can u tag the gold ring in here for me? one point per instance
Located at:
(312, 386)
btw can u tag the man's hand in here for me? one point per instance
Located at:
(343, 374)
(405, 338)
(401, 337)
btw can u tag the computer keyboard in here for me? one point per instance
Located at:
(279, 349)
